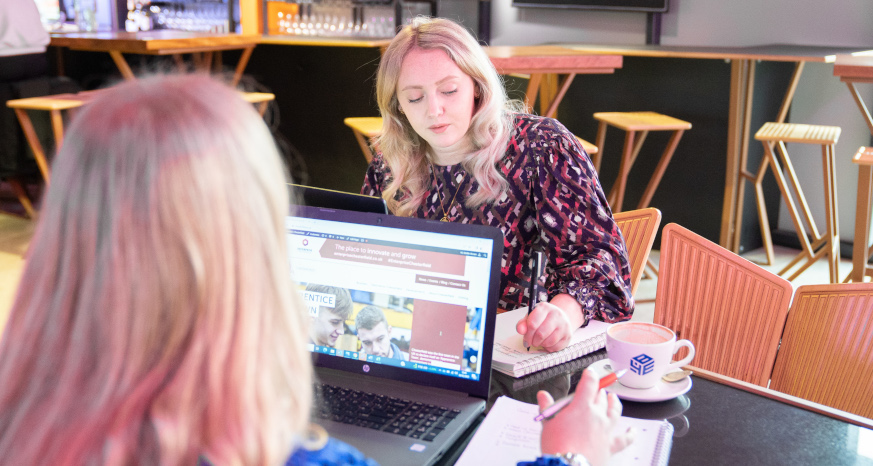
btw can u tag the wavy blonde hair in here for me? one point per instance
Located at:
(155, 323)
(405, 152)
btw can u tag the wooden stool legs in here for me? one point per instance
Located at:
(632, 144)
(820, 245)
(862, 248)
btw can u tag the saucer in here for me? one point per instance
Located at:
(663, 391)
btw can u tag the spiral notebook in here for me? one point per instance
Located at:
(509, 435)
(512, 358)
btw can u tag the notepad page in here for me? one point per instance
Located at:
(509, 435)
(511, 354)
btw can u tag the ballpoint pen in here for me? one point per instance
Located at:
(549, 412)
(535, 273)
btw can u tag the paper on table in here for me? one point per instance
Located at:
(509, 435)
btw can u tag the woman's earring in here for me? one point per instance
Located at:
(401, 110)
(476, 93)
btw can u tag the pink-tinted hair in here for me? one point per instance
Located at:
(155, 322)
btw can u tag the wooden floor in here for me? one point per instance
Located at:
(15, 236)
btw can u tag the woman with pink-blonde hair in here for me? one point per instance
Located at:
(155, 322)
(453, 148)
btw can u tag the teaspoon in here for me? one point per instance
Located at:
(676, 376)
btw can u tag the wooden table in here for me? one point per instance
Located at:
(546, 64)
(160, 42)
(742, 81)
(851, 70)
(55, 104)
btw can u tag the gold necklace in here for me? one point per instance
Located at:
(440, 194)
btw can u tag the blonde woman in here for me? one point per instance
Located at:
(156, 322)
(454, 149)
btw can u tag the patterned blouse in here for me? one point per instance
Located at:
(554, 202)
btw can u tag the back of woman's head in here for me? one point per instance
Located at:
(155, 321)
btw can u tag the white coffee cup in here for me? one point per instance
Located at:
(645, 350)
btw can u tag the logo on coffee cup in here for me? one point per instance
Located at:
(642, 364)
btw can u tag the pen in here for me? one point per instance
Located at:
(535, 273)
(549, 412)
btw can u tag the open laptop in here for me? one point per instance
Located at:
(328, 198)
(437, 284)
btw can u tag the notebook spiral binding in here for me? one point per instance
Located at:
(663, 445)
(547, 360)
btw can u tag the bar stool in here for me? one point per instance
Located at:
(633, 123)
(55, 104)
(863, 249)
(590, 149)
(368, 128)
(365, 130)
(827, 244)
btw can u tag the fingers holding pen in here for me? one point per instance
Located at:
(546, 326)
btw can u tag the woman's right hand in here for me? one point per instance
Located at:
(586, 425)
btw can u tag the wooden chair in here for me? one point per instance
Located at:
(366, 129)
(633, 123)
(639, 228)
(775, 135)
(731, 309)
(863, 211)
(826, 355)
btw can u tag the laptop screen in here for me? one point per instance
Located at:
(397, 297)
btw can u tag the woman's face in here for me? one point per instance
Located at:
(437, 98)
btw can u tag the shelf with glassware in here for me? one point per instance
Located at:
(215, 16)
(334, 19)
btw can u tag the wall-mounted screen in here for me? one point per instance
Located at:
(629, 5)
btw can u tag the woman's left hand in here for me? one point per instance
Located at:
(550, 325)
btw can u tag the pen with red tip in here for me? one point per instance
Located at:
(550, 412)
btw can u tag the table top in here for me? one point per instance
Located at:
(157, 42)
(854, 66)
(71, 101)
(550, 59)
(725, 421)
(768, 52)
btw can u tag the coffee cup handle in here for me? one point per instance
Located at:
(684, 362)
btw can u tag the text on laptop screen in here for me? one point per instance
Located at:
(410, 299)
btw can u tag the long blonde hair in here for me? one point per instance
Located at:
(155, 322)
(405, 152)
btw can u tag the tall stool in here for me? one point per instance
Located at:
(827, 244)
(590, 149)
(863, 249)
(633, 123)
(365, 129)
(55, 104)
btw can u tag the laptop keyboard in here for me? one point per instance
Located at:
(388, 414)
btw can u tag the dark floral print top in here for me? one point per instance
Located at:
(554, 202)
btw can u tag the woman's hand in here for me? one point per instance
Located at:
(586, 425)
(551, 325)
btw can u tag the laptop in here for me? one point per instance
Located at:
(328, 198)
(437, 285)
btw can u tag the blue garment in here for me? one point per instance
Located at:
(395, 350)
(335, 452)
